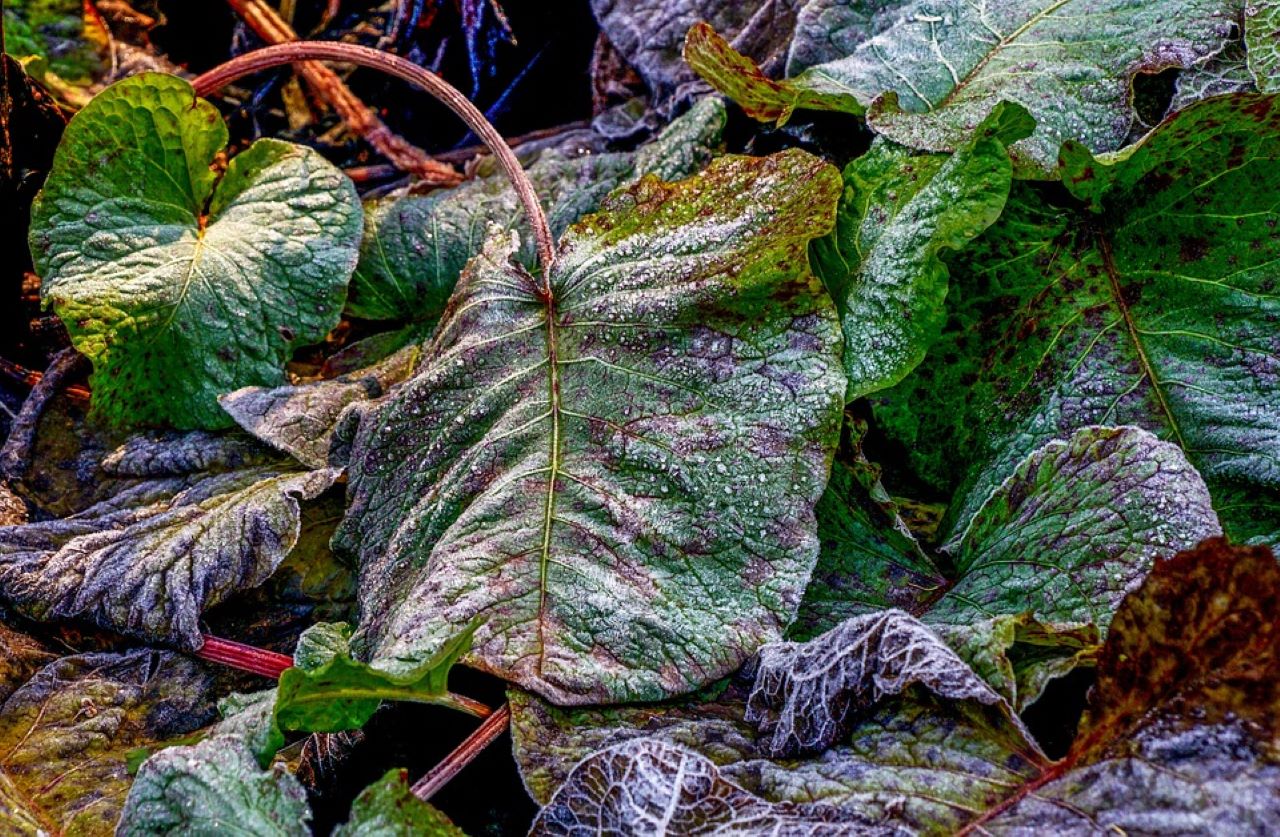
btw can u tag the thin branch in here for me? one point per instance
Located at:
(463, 754)
(326, 84)
(15, 456)
(275, 56)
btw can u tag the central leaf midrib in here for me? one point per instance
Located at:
(553, 461)
(1103, 244)
(1003, 44)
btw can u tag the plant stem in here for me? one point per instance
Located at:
(463, 754)
(244, 657)
(298, 51)
(15, 456)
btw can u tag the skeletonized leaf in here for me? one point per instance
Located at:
(619, 478)
(149, 560)
(414, 248)
(900, 210)
(387, 808)
(1262, 41)
(307, 420)
(1157, 311)
(942, 67)
(66, 735)
(648, 786)
(178, 285)
(212, 788)
(804, 693)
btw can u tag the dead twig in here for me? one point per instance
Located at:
(465, 753)
(356, 114)
(16, 454)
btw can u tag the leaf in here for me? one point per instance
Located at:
(150, 559)
(20, 657)
(1177, 739)
(1226, 72)
(1155, 311)
(928, 78)
(899, 211)
(668, 789)
(67, 734)
(179, 285)
(648, 35)
(1262, 40)
(210, 788)
(804, 692)
(387, 808)
(414, 248)
(682, 388)
(827, 30)
(1044, 561)
(59, 41)
(306, 420)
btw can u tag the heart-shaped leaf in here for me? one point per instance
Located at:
(616, 469)
(178, 284)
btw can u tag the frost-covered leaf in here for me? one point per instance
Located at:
(1176, 740)
(150, 559)
(804, 693)
(307, 420)
(827, 30)
(900, 210)
(1226, 72)
(619, 479)
(648, 786)
(211, 789)
(66, 735)
(1262, 41)
(931, 75)
(179, 285)
(414, 248)
(1041, 566)
(1156, 311)
(59, 43)
(649, 34)
(387, 808)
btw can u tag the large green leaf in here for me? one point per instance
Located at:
(414, 247)
(180, 285)
(943, 65)
(211, 789)
(66, 736)
(1157, 309)
(620, 477)
(197, 523)
(899, 211)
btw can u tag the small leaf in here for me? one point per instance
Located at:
(306, 420)
(414, 247)
(150, 559)
(178, 285)
(387, 808)
(619, 479)
(672, 790)
(212, 788)
(327, 691)
(899, 212)
(930, 73)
